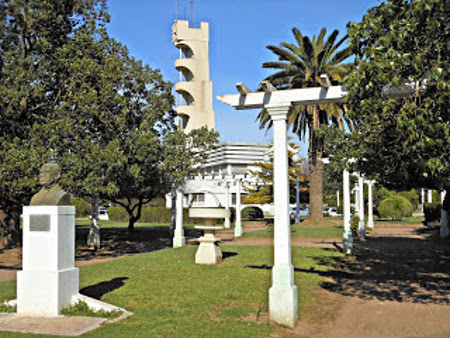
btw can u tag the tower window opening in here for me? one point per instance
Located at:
(187, 52)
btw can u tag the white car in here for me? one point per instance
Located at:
(103, 213)
(331, 212)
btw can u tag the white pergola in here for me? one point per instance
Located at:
(283, 300)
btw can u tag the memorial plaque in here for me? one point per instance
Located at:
(39, 222)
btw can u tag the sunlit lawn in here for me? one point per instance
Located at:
(85, 222)
(171, 296)
(405, 220)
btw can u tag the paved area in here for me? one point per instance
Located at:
(59, 326)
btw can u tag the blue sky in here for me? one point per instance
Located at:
(240, 30)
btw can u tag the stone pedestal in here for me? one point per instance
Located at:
(49, 278)
(208, 251)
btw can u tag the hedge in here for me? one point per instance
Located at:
(395, 207)
(151, 215)
(83, 208)
(252, 213)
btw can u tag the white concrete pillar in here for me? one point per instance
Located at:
(370, 210)
(48, 280)
(347, 238)
(361, 225)
(337, 198)
(422, 196)
(430, 196)
(356, 192)
(283, 295)
(238, 232)
(227, 222)
(444, 232)
(178, 239)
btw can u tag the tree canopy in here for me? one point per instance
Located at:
(70, 92)
(300, 65)
(402, 142)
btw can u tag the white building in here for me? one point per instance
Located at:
(227, 166)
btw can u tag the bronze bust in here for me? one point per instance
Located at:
(50, 193)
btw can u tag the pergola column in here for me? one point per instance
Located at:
(178, 239)
(348, 238)
(361, 225)
(356, 192)
(283, 299)
(422, 194)
(227, 205)
(238, 224)
(444, 231)
(370, 210)
(430, 196)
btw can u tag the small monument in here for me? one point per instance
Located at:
(208, 251)
(49, 280)
(50, 193)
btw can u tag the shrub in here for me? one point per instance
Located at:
(432, 212)
(117, 214)
(340, 209)
(395, 207)
(412, 196)
(252, 213)
(83, 208)
(354, 224)
(151, 215)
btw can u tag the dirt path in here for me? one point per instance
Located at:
(397, 284)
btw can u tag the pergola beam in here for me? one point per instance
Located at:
(301, 96)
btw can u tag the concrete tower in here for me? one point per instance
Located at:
(195, 109)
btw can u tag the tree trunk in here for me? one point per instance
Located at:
(10, 234)
(133, 219)
(316, 168)
(131, 222)
(93, 239)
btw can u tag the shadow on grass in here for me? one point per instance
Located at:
(227, 254)
(117, 242)
(393, 269)
(98, 290)
(2, 267)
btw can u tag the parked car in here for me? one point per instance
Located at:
(303, 212)
(103, 213)
(330, 211)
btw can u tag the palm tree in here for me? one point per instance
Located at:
(300, 65)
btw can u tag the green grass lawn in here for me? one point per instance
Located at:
(171, 296)
(405, 220)
(85, 222)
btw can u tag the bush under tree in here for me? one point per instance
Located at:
(395, 207)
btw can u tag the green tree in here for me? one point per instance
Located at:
(70, 91)
(32, 37)
(403, 141)
(300, 65)
(262, 191)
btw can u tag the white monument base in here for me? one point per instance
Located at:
(208, 251)
(49, 279)
(283, 296)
